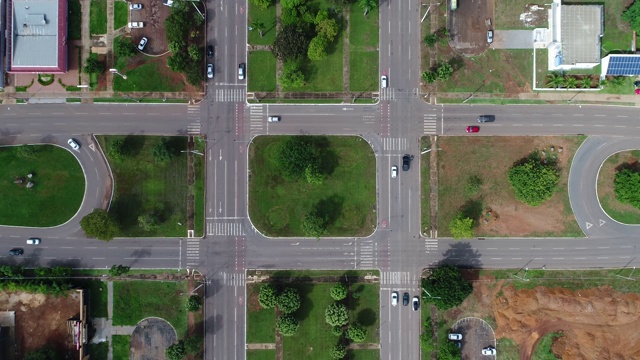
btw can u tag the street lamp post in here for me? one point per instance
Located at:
(115, 71)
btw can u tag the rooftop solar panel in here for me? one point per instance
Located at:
(623, 65)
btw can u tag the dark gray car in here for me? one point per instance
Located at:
(486, 118)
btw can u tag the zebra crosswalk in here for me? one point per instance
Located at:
(193, 252)
(233, 279)
(230, 95)
(367, 258)
(430, 124)
(387, 94)
(394, 144)
(193, 115)
(430, 245)
(256, 119)
(225, 228)
(398, 278)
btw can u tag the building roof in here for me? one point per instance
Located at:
(38, 36)
(581, 29)
(621, 65)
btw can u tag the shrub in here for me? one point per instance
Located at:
(194, 303)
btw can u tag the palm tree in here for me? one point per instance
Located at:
(258, 25)
(585, 83)
(368, 5)
(570, 82)
(555, 80)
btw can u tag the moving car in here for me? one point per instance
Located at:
(143, 43)
(273, 118)
(394, 298)
(210, 71)
(490, 36)
(455, 337)
(394, 172)
(415, 303)
(241, 69)
(209, 51)
(486, 118)
(489, 350)
(406, 162)
(135, 6)
(16, 252)
(33, 241)
(74, 145)
(405, 299)
(473, 129)
(383, 81)
(136, 25)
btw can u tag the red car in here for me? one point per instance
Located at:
(473, 129)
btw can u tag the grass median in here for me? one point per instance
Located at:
(624, 213)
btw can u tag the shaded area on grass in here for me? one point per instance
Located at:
(146, 77)
(261, 71)
(97, 297)
(120, 346)
(624, 213)
(58, 180)
(99, 351)
(75, 19)
(98, 17)
(120, 14)
(363, 354)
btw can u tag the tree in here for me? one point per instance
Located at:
(14, 272)
(447, 287)
(195, 75)
(176, 351)
(115, 149)
(267, 296)
(318, 48)
(431, 39)
(288, 300)
(195, 53)
(287, 325)
(336, 330)
(193, 344)
(178, 22)
(291, 4)
(339, 3)
(124, 48)
(262, 4)
(148, 222)
(178, 62)
(294, 155)
(314, 225)
(313, 175)
(448, 350)
(99, 224)
(194, 303)
(117, 270)
(356, 332)
(632, 16)
(534, 182)
(429, 76)
(339, 351)
(336, 315)
(444, 71)
(555, 80)
(368, 5)
(338, 291)
(290, 43)
(26, 152)
(42, 354)
(292, 77)
(327, 28)
(426, 342)
(93, 66)
(161, 151)
(461, 227)
(627, 187)
(258, 25)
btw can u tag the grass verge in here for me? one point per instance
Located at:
(99, 351)
(75, 19)
(58, 184)
(136, 300)
(261, 354)
(261, 71)
(145, 78)
(618, 211)
(121, 345)
(347, 196)
(425, 178)
(363, 70)
(268, 19)
(363, 30)
(120, 14)
(199, 187)
(97, 297)
(98, 17)
(144, 187)
(262, 329)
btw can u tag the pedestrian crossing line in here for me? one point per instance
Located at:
(194, 128)
(394, 144)
(233, 279)
(430, 124)
(430, 245)
(230, 95)
(396, 278)
(215, 228)
(256, 119)
(369, 119)
(387, 94)
(193, 252)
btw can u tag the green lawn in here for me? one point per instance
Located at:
(326, 74)
(136, 300)
(261, 354)
(198, 188)
(121, 344)
(144, 187)
(99, 351)
(121, 14)
(75, 19)
(347, 196)
(268, 18)
(261, 71)
(58, 184)
(363, 31)
(368, 354)
(365, 308)
(262, 329)
(97, 291)
(145, 78)
(363, 70)
(98, 17)
(425, 176)
(618, 211)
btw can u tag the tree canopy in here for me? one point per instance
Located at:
(194, 303)
(123, 47)
(42, 354)
(338, 291)
(627, 187)
(99, 224)
(262, 4)
(176, 351)
(292, 76)
(314, 225)
(533, 181)
(447, 287)
(356, 332)
(93, 66)
(339, 351)
(294, 156)
(291, 43)
(287, 325)
(289, 300)
(162, 151)
(117, 270)
(632, 16)
(336, 315)
(461, 227)
(267, 296)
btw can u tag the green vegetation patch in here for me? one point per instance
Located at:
(347, 195)
(624, 213)
(477, 186)
(97, 291)
(364, 354)
(98, 17)
(617, 32)
(543, 348)
(75, 19)
(145, 187)
(136, 300)
(363, 70)
(262, 19)
(261, 71)
(99, 351)
(261, 354)
(120, 14)
(262, 329)
(57, 183)
(199, 186)
(425, 176)
(121, 345)
(146, 78)
(363, 30)
(363, 303)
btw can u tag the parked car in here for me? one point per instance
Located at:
(33, 241)
(135, 6)
(209, 51)
(394, 172)
(406, 162)
(486, 118)
(383, 81)
(394, 298)
(210, 71)
(455, 337)
(142, 43)
(405, 299)
(416, 303)
(473, 129)
(241, 69)
(489, 350)
(490, 36)
(16, 252)
(273, 118)
(74, 145)
(136, 25)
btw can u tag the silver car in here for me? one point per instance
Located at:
(74, 145)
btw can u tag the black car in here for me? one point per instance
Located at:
(406, 162)
(16, 251)
(405, 299)
(209, 51)
(486, 118)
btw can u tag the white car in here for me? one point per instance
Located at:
(384, 81)
(136, 25)
(273, 119)
(74, 145)
(135, 6)
(210, 71)
(394, 172)
(489, 350)
(143, 43)
(455, 337)
(394, 298)
(490, 36)
(241, 71)
(33, 241)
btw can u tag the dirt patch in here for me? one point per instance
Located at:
(468, 26)
(42, 320)
(493, 206)
(150, 339)
(596, 323)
